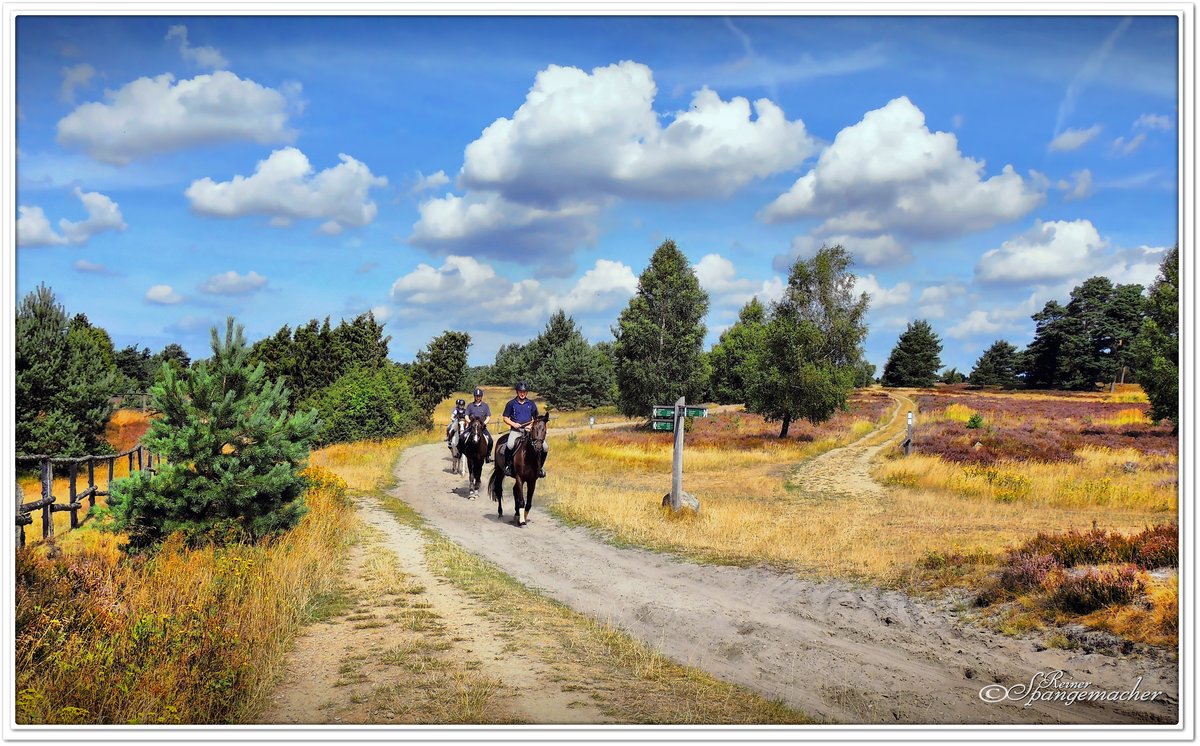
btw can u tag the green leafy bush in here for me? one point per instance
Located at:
(367, 404)
(975, 421)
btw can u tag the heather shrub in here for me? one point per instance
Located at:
(1094, 547)
(1157, 547)
(1024, 571)
(1095, 589)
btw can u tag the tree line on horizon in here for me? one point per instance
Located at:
(1103, 334)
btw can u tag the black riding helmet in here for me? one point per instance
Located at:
(521, 386)
(478, 392)
(460, 403)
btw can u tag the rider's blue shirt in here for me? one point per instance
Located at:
(520, 412)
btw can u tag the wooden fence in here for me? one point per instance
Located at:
(49, 504)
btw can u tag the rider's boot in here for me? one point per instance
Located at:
(508, 468)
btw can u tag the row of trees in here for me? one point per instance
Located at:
(799, 359)
(1104, 332)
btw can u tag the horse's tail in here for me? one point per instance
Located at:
(494, 488)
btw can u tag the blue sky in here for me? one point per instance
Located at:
(480, 173)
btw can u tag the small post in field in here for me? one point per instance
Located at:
(676, 497)
(22, 518)
(48, 499)
(908, 440)
(72, 475)
(92, 482)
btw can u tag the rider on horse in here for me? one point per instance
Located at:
(519, 414)
(480, 409)
(458, 413)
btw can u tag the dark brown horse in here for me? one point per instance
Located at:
(526, 463)
(474, 447)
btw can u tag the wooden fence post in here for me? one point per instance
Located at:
(112, 460)
(92, 482)
(139, 453)
(73, 474)
(20, 523)
(131, 462)
(48, 497)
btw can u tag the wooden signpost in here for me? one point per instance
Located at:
(908, 444)
(670, 419)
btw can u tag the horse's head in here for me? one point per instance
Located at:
(537, 433)
(475, 428)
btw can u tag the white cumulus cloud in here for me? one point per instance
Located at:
(1051, 251)
(1153, 122)
(430, 183)
(882, 297)
(74, 77)
(1080, 188)
(712, 148)
(1073, 139)
(33, 227)
(464, 287)
(889, 173)
(976, 322)
(535, 182)
(231, 283)
(150, 116)
(206, 57)
(286, 187)
(718, 277)
(163, 295)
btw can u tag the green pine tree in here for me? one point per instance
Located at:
(575, 376)
(811, 350)
(916, 358)
(232, 453)
(437, 371)
(998, 366)
(559, 330)
(65, 377)
(509, 365)
(658, 354)
(1155, 352)
(728, 356)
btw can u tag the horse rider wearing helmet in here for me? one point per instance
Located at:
(479, 408)
(519, 414)
(458, 413)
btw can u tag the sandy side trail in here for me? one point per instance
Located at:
(832, 650)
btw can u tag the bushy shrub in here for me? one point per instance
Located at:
(1082, 594)
(1024, 571)
(975, 421)
(367, 404)
(232, 454)
(1157, 547)
(1093, 547)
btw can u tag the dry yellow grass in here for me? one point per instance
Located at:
(958, 412)
(1103, 478)
(749, 515)
(367, 464)
(185, 636)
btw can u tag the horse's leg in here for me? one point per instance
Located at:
(518, 502)
(529, 498)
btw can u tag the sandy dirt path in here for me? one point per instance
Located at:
(338, 672)
(832, 650)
